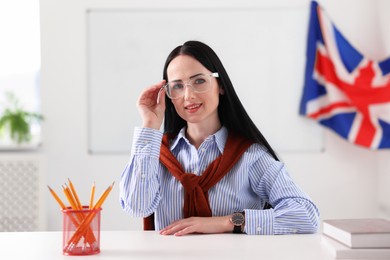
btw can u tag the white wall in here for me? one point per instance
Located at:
(344, 180)
(383, 158)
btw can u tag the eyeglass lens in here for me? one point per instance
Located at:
(199, 84)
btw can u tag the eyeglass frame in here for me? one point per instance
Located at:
(214, 75)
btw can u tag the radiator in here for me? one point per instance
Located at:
(20, 194)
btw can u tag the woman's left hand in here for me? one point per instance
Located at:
(210, 225)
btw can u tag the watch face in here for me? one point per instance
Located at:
(238, 219)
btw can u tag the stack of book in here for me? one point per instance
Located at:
(357, 238)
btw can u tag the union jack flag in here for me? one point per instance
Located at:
(344, 90)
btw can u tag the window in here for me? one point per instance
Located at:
(20, 55)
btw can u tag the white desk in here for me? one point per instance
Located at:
(116, 245)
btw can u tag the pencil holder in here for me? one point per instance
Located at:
(81, 231)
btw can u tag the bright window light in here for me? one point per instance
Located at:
(20, 53)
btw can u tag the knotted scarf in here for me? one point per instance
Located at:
(196, 188)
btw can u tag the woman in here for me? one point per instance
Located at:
(186, 179)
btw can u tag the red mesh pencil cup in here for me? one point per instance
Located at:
(81, 231)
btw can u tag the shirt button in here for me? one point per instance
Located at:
(203, 150)
(258, 229)
(143, 175)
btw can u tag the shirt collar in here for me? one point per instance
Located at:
(219, 138)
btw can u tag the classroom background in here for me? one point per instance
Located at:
(96, 56)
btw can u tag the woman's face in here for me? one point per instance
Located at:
(195, 108)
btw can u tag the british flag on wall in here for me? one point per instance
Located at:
(344, 90)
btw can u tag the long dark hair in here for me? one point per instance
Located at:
(231, 112)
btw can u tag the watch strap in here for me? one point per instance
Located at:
(237, 229)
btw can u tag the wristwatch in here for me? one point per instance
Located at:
(238, 220)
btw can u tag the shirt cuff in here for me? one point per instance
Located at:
(259, 222)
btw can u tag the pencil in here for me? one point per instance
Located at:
(69, 196)
(89, 236)
(74, 193)
(103, 197)
(81, 229)
(80, 221)
(62, 205)
(92, 196)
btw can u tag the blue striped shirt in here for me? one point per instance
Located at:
(146, 186)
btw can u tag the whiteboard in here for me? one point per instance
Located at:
(262, 49)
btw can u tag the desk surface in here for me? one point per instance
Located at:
(151, 245)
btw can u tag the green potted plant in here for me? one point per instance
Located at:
(16, 122)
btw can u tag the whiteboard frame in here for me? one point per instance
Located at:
(289, 132)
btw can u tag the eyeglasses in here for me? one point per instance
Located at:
(199, 83)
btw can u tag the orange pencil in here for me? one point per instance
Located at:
(89, 235)
(74, 193)
(92, 196)
(69, 196)
(62, 205)
(103, 197)
(81, 229)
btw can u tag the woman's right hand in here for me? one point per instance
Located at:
(151, 105)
